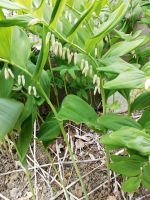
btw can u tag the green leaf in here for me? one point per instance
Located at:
(11, 5)
(115, 122)
(146, 175)
(78, 24)
(130, 138)
(18, 20)
(29, 108)
(122, 48)
(118, 67)
(129, 79)
(57, 12)
(49, 130)
(25, 138)
(77, 110)
(108, 26)
(6, 90)
(14, 46)
(10, 111)
(141, 102)
(145, 118)
(128, 167)
(131, 185)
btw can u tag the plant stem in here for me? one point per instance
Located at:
(55, 87)
(103, 94)
(55, 169)
(104, 113)
(30, 183)
(65, 139)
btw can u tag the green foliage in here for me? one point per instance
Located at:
(95, 47)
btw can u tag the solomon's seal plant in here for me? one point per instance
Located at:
(90, 38)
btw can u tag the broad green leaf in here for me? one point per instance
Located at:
(131, 185)
(57, 12)
(2, 16)
(10, 111)
(145, 118)
(115, 122)
(108, 26)
(25, 137)
(75, 109)
(141, 102)
(29, 108)
(11, 5)
(37, 3)
(25, 3)
(130, 138)
(127, 167)
(49, 130)
(122, 48)
(127, 80)
(145, 177)
(76, 27)
(18, 20)
(7, 85)
(117, 67)
(14, 46)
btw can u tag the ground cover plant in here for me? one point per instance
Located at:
(67, 55)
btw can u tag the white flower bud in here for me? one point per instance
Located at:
(19, 79)
(147, 84)
(70, 58)
(34, 91)
(11, 73)
(60, 50)
(75, 21)
(48, 36)
(33, 22)
(55, 49)
(82, 64)
(66, 14)
(75, 58)
(64, 53)
(95, 90)
(98, 82)
(94, 78)
(91, 70)
(68, 54)
(53, 40)
(6, 74)
(96, 52)
(23, 80)
(29, 90)
(70, 18)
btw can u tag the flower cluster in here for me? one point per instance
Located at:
(96, 82)
(32, 90)
(21, 80)
(8, 73)
(86, 68)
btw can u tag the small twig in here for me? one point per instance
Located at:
(47, 165)
(3, 197)
(34, 153)
(95, 189)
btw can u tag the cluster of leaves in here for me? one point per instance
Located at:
(103, 34)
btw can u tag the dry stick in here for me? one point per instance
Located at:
(3, 197)
(73, 183)
(54, 180)
(34, 152)
(60, 167)
(65, 139)
(98, 187)
(47, 165)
